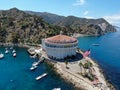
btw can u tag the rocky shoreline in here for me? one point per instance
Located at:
(80, 83)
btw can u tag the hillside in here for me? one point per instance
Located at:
(92, 27)
(48, 17)
(17, 26)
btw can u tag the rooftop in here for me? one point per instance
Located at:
(61, 39)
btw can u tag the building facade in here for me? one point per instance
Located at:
(60, 46)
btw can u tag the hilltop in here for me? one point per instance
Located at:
(16, 26)
(93, 27)
(19, 26)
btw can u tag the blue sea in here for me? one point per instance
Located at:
(107, 54)
(15, 73)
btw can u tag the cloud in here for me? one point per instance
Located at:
(79, 2)
(113, 19)
(86, 12)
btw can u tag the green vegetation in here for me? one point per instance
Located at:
(74, 24)
(90, 76)
(66, 63)
(86, 67)
(17, 26)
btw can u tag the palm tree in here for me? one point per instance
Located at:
(80, 64)
(66, 62)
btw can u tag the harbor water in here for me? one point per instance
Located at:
(15, 73)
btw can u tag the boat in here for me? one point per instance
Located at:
(1, 55)
(14, 54)
(96, 44)
(41, 76)
(6, 51)
(35, 64)
(11, 47)
(14, 51)
(33, 68)
(56, 89)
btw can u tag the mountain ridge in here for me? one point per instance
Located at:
(91, 27)
(18, 26)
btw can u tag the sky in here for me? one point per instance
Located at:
(107, 9)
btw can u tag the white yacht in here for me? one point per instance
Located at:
(41, 76)
(1, 55)
(14, 54)
(33, 68)
(56, 88)
(13, 51)
(35, 64)
(6, 51)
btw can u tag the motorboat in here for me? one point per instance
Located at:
(35, 64)
(14, 54)
(33, 68)
(6, 51)
(1, 55)
(56, 89)
(11, 47)
(14, 51)
(41, 76)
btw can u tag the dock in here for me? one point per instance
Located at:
(41, 76)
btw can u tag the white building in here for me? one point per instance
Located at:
(60, 46)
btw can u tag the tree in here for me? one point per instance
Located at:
(66, 63)
(80, 64)
(15, 37)
(2, 34)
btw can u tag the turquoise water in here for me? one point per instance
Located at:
(107, 54)
(15, 73)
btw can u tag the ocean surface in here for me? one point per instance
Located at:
(106, 53)
(15, 73)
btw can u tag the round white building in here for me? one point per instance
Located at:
(60, 46)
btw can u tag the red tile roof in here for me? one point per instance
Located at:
(61, 39)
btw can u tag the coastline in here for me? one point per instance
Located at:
(79, 35)
(77, 80)
(109, 84)
(27, 45)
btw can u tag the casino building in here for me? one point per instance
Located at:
(60, 46)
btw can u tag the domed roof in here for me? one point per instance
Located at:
(61, 39)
